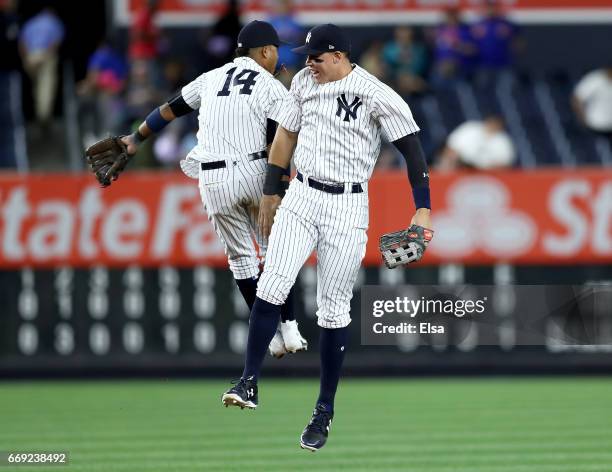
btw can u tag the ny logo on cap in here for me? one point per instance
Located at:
(308, 37)
(350, 111)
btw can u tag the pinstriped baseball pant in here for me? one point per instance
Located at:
(332, 224)
(231, 199)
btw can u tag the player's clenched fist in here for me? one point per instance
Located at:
(267, 209)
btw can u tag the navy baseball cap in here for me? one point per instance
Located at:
(324, 38)
(256, 34)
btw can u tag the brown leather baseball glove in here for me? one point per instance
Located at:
(107, 159)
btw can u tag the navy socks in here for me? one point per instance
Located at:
(248, 289)
(332, 346)
(287, 309)
(262, 326)
(263, 323)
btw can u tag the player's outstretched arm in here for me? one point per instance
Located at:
(109, 157)
(156, 121)
(280, 156)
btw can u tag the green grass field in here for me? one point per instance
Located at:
(459, 425)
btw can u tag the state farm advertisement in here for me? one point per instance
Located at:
(152, 219)
(147, 219)
(535, 217)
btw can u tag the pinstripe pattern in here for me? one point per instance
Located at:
(334, 225)
(330, 149)
(340, 125)
(231, 198)
(232, 125)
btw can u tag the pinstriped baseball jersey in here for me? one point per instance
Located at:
(235, 102)
(341, 124)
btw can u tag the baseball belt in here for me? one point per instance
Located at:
(221, 164)
(330, 188)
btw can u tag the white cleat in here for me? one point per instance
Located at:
(230, 399)
(292, 338)
(277, 345)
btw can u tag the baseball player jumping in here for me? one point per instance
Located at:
(239, 105)
(333, 118)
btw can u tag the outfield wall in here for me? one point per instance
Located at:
(132, 280)
(152, 219)
(169, 321)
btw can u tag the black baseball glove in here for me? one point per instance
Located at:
(107, 159)
(405, 246)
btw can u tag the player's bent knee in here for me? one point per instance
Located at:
(273, 288)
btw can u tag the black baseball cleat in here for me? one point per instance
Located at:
(315, 434)
(243, 394)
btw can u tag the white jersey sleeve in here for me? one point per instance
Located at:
(192, 92)
(291, 118)
(277, 94)
(393, 114)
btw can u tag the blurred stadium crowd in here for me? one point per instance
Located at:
(477, 109)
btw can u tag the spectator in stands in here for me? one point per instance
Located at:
(101, 104)
(145, 40)
(174, 75)
(144, 35)
(39, 43)
(168, 145)
(12, 136)
(372, 61)
(454, 49)
(406, 61)
(482, 145)
(289, 30)
(221, 43)
(142, 95)
(497, 40)
(592, 102)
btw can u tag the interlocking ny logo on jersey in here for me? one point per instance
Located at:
(350, 111)
(308, 37)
